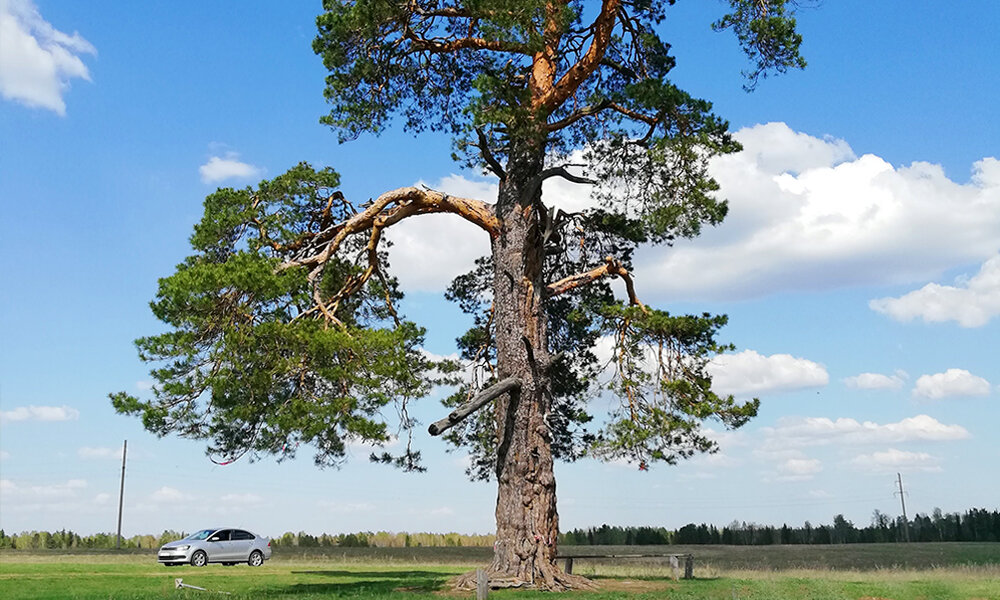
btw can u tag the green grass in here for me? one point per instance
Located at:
(853, 557)
(395, 576)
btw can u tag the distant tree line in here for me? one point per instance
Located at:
(65, 540)
(974, 525)
(383, 539)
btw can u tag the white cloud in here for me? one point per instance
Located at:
(40, 413)
(816, 431)
(970, 303)
(806, 214)
(799, 469)
(102, 499)
(99, 453)
(877, 381)
(37, 61)
(168, 494)
(231, 167)
(4, 455)
(896, 460)
(953, 382)
(749, 372)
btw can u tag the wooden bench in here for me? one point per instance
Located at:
(675, 560)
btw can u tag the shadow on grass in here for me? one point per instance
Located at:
(596, 577)
(370, 582)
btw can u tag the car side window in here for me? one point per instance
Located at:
(239, 534)
(220, 536)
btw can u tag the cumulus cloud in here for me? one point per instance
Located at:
(37, 61)
(953, 382)
(429, 251)
(229, 167)
(970, 303)
(876, 381)
(805, 213)
(40, 413)
(893, 460)
(791, 432)
(749, 372)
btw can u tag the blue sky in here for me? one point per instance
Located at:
(860, 268)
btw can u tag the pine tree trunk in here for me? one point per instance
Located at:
(526, 518)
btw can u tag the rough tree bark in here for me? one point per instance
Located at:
(526, 517)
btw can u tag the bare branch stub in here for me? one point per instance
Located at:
(511, 384)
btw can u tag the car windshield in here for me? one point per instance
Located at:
(204, 533)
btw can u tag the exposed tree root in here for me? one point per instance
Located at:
(551, 579)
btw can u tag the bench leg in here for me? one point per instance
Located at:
(689, 566)
(569, 566)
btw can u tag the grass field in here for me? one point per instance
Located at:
(951, 572)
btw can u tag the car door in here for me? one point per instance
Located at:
(218, 546)
(241, 542)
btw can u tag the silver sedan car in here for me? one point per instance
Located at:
(220, 545)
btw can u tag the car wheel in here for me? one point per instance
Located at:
(256, 559)
(199, 559)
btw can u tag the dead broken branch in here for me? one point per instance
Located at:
(510, 384)
(610, 268)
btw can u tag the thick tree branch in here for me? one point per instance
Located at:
(387, 210)
(604, 25)
(610, 268)
(543, 68)
(392, 207)
(507, 385)
(421, 44)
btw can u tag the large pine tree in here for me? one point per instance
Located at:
(283, 323)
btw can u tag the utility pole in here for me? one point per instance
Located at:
(902, 501)
(121, 498)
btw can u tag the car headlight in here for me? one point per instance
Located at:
(182, 547)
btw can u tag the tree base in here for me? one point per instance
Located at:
(549, 578)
